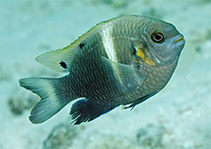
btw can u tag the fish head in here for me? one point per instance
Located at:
(163, 41)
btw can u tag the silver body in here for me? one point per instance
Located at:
(121, 61)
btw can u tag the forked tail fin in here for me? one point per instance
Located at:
(51, 97)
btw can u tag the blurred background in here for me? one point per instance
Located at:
(179, 117)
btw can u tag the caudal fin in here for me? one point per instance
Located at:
(51, 99)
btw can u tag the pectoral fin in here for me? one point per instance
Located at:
(128, 77)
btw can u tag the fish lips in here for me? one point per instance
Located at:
(179, 42)
(176, 44)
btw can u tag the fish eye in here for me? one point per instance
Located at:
(157, 37)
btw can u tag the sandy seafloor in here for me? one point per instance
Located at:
(179, 117)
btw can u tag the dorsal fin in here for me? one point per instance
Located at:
(60, 60)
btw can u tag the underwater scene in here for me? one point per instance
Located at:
(105, 74)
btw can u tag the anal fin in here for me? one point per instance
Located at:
(85, 110)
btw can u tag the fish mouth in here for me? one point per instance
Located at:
(179, 40)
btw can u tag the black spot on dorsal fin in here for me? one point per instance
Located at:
(63, 64)
(81, 45)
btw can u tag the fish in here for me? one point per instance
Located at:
(121, 61)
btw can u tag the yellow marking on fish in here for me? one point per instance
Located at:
(147, 60)
(180, 39)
